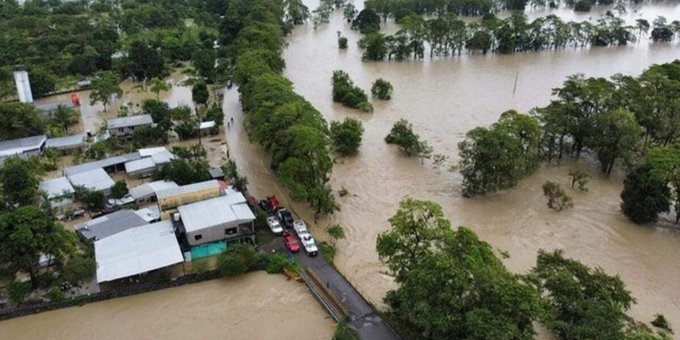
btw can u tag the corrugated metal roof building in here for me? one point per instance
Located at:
(136, 251)
(28, 146)
(111, 224)
(67, 143)
(147, 191)
(97, 180)
(169, 199)
(216, 218)
(59, 191)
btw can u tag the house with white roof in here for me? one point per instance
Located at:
(23, 147)
(96, 179)
(147, 192)
(59, 191)
(125, 126)
(137, 251)
(220, 218)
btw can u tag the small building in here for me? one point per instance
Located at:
(170, 199)
(145, 166)
(59, 191)
(216, 173)
(23, 147)
(221, 218)
(110, 165)
(147, 192)
(149, 214)
(105, 226)
(124, 127)
(47, 109)
(208, 128)
(68, 144)
(97, 180)
(137, 251)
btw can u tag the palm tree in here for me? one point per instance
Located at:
(64, 117)
(642, 25)
(157, 86)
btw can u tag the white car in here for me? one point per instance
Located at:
(305, 237)
(274, 225)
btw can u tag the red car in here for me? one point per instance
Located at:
(291, 243)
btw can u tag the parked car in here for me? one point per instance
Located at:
(291, 242)
(78, 213)
(306, 238)
(285, 217)
(264, 205)
(274, 225)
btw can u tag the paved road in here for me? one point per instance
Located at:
(362, 316)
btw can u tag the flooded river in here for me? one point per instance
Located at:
(444, 99)
(251, 306)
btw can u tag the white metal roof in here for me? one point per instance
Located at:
(146, 152)
(148, 189)
(215, 211)
(115, 123)
(66, 142)
(162, 157)
(207, 125)
(21, 145)
(185, 189)
(148, 214)
(102, 163)
(56, 187)
(96, 179)
(139, 165)
(137, 250)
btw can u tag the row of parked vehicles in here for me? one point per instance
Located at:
(282, 220)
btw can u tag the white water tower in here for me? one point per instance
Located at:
(23, 86)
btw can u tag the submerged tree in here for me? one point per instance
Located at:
(558, 200)
(450, 283)
(346, 136)
(382, 89)
(645, 195)
(408, 141)
(105, 84)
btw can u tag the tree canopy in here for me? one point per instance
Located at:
(346, 136)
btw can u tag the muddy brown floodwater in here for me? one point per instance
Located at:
(251, 306)
(444, 98)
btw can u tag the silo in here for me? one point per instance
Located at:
(23, 86)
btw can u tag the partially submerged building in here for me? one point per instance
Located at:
(220, 218)
(147, 192)
(111, 165)
(96, 180)
(170, 199)
(59, 191)
(124, 127)
(23, 147)
(145, 166)
(67, 144)
(137, 251)
(105, 226)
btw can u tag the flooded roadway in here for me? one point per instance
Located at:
(444, 98)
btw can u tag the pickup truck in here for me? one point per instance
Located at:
(285, 217)
(305, 237)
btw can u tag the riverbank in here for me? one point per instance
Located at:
(251, 306)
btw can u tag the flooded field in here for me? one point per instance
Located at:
(251, 306)
(444, 98)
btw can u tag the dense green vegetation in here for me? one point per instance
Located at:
(557, 198)
(350, 95)
(452, 285)
(60, 42)
(626, 120)
(284, 123)
(382, 89)
(447, 35)
(497, 157)
(346, 136)
(190, 166)
(408, 141)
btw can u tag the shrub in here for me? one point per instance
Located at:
(55, 295)
(119, 189)
(345, 92)
(382, 89)
(557, 198)
(345, 332)
(346, 136)
(17, 291)
(410, 143)
(238, 259)
(342, 43)
(580, 177)
(275, 262)
(79, 269)
(327, 250)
